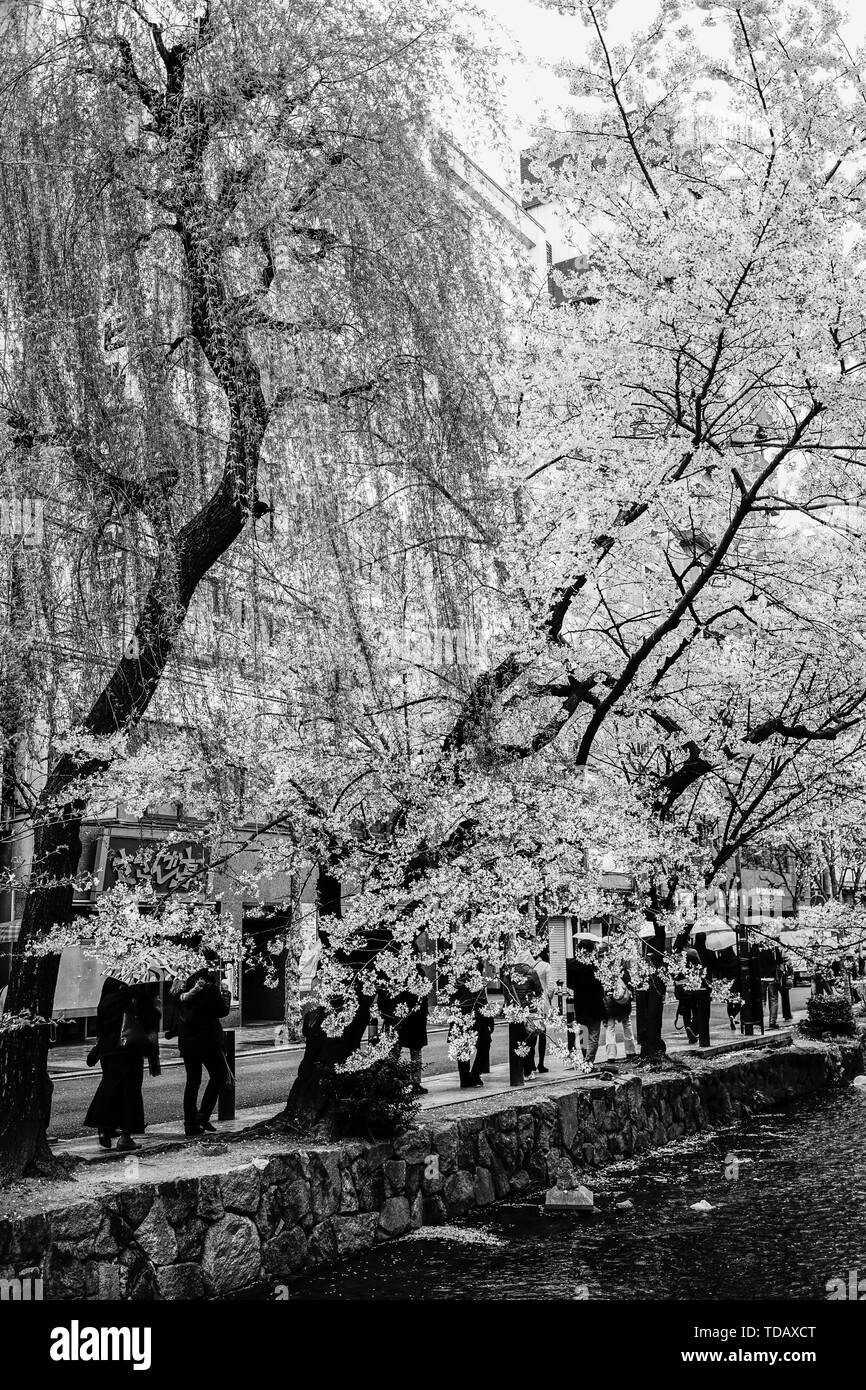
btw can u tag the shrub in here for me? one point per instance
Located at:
(829, 1016)
(378, 1100)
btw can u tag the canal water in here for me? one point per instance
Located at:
(788, 1197)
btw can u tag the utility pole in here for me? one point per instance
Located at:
(744, 965)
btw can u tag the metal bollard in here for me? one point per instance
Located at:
(226, 1102)
(516, 1034)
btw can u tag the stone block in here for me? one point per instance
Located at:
(241, 1189)
(181, 1281)
(435, 1211)
(77, 1224)
(231, 1258)
(155, 1237)
(106, 1281)
(297, 1203)
(348, 1195)
(459, 1193)
(322, 1244)
(178, 1198)
(210, 1203)
(326, 1184)
(395, 1177)
(135, 1202)
(394, 1217)
(445, 1145)
(484, 1190)
(190, 1238)
(285, 1253)
(30, 1237)
(63, 1274)
(355, 1233)
(571, 1199)
(414, 1145)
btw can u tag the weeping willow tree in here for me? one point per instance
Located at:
(239, 288)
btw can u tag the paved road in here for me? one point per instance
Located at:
(260, 1080)
(263, 1079)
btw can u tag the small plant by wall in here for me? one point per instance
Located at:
(376, 1102)
(829, 1016)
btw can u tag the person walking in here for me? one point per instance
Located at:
(786, 984)
(200, 1006)
(544, 971)
(770, 965)
(127, 1022)
(617, 1006)
(586, 987)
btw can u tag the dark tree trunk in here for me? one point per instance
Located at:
(310, 1106)
(184, 560)
(649, 1017)
(25, 1086)
(650, 1002)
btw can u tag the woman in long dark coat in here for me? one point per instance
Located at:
(117, 1104)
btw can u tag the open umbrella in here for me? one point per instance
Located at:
(721, 940)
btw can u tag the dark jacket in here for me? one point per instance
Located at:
(586, 987)
(115, 1002)
(770, 962)
(198, 1019)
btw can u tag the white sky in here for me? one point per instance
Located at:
(539, 38)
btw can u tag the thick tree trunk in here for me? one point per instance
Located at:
(651, 1002)
(25, 1086)
(309, 1106)
(650, 1014)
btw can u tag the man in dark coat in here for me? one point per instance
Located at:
(586, 987)
(202, 1003)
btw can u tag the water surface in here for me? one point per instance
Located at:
(789, 1196)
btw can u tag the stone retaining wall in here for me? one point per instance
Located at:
(212, 1236)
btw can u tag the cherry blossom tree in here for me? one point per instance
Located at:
(681, 585)
(231, 252)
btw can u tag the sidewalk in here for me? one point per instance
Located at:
(257, 1039)
(443, 1090)
(253, 1040)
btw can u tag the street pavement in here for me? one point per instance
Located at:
(264, 1074)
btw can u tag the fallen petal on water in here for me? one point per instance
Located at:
(460, 1234)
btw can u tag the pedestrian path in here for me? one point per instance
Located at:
(252, 1040)
(442, 1090)
(257, 1040)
